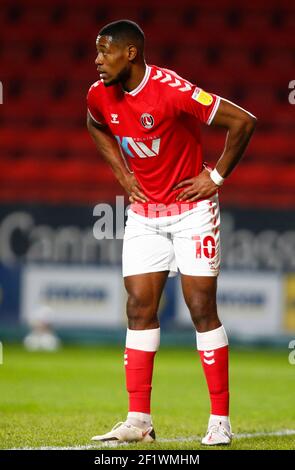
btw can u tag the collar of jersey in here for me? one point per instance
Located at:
(142, 83)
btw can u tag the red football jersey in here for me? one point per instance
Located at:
(157, 128)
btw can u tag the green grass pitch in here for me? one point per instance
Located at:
(62, 399)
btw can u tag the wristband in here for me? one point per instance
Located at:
(216, 177)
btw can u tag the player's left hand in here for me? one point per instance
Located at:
(199, 187)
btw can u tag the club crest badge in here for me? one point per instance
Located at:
(147, 120)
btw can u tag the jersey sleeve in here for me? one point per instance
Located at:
(94, 104)
(200, 104)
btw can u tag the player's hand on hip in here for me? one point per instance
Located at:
(133, 188)
(199, 187)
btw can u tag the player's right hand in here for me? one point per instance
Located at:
(133, 188)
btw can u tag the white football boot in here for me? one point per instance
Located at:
(217, 434)
(124, 432)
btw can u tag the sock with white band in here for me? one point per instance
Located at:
(143, 340)
(141, 347)
(213, 350)
(212, 339)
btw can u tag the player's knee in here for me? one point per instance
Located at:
(138, 302)
(140, 309)
(199, 318)
(203, 311)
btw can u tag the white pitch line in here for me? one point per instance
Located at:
(88, 447)
(283, 432)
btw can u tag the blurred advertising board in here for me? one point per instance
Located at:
(9, 293)
(289, 290)
(72, 296)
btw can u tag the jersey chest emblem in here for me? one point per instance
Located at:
(147, 120)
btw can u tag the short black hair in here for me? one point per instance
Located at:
(125, 30)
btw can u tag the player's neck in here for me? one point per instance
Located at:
(136, 77)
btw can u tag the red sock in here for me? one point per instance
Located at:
(215, 366)
(139, 372)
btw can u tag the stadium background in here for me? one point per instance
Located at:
(51, 177)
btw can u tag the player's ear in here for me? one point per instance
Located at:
(132, 52)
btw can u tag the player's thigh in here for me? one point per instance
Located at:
(145, 290)
(199, 293)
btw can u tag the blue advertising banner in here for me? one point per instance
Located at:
(9, 294)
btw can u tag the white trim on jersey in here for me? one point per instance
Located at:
(142, 83)
(92, 117)
(214, 110)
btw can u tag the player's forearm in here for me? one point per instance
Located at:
(108, 148)
(237, 139)
(240, 125)
(110, 152)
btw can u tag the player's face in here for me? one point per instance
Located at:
(111, 61)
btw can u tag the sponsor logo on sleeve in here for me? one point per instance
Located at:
(202, 97)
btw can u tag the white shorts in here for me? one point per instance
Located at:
(189, 242)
